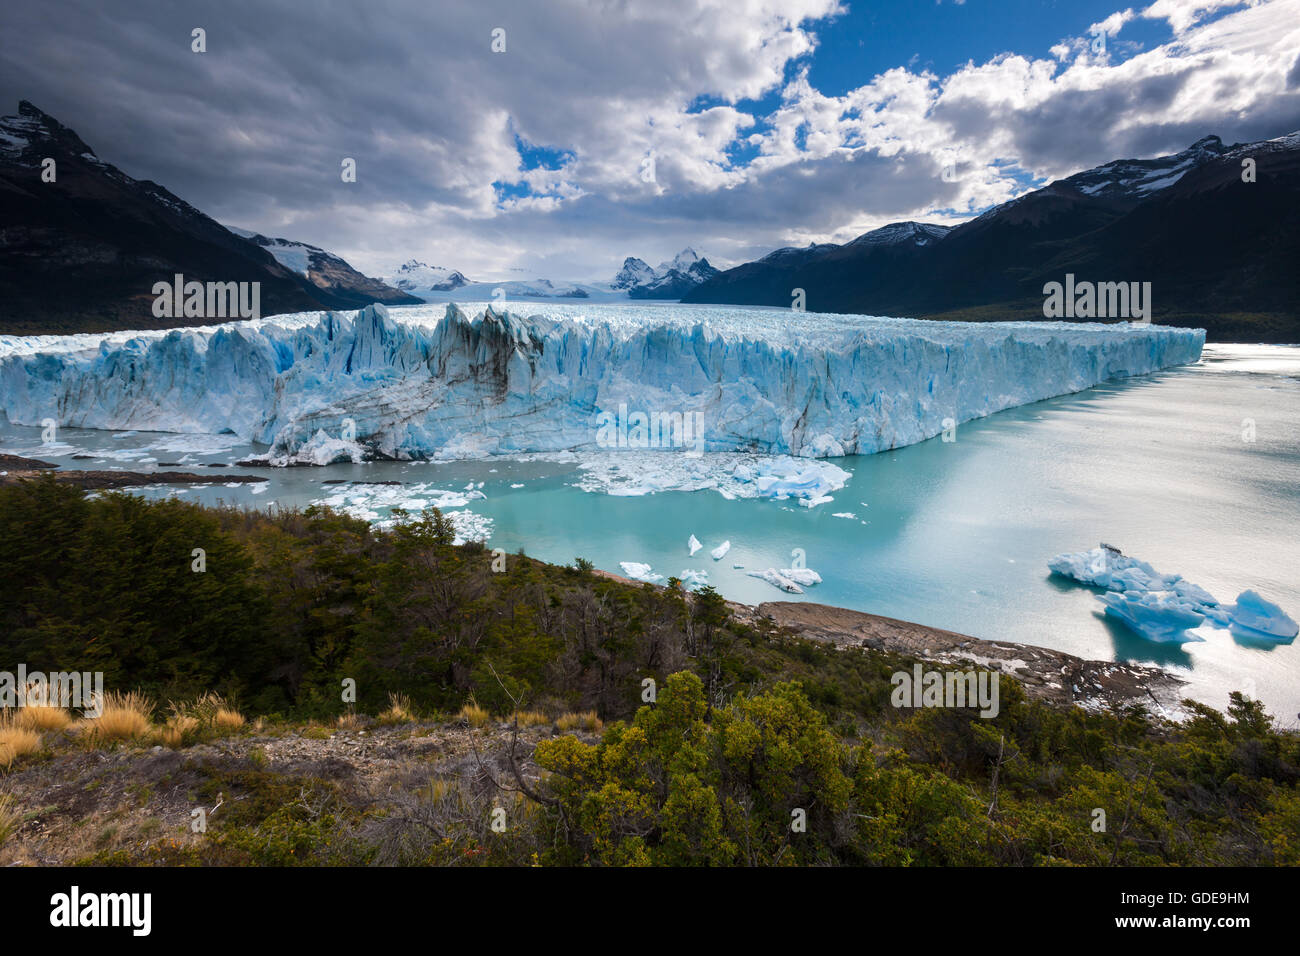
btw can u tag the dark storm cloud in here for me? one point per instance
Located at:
(253, 130)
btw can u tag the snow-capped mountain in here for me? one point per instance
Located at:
(1217, 237)
(1139, 178)
(414, 276)
(635, 272)
(329, 273)
(896, 233)
(671, 280)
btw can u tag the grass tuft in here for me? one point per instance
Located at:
(16, 741)
(399, 710)
(587, 720)
(474, 715)
(123, 717)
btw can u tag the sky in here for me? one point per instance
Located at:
(553, 139)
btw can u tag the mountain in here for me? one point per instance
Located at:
(635, 272)
(337, 284)
(415, 277)
(1219, 252)
(82, 253)
(671, 280)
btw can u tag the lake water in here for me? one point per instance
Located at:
(950, 534)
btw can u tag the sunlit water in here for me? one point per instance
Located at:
(951, 534)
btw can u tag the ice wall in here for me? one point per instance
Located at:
(417, 382)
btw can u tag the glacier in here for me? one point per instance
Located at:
(434, 382)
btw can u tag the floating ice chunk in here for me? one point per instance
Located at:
(468, 525)
(738, 567)
(640, 572)
(789, 579)
(1256, 617)
(694, 579)
(1162, 607)
(778, 580)
(320, 449)
(805, 576)
(1155, 617)
(732, 475)
(845, 514)
(721, 550)
(517, 484)
(694, 545)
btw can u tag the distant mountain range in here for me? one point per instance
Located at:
(671, 280)
(1221, 253)
(333, 278)
(413, 276)
(636, 280)
(82, 252)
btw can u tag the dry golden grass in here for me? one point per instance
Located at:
(210, 711)
(473, 714)
(10, 817)
(587, 720)
(531, 718)
(399, 710)
(123, 717)
(16, 740)
(42, 718)
(181, 729)
(349, 721)
(227, 720)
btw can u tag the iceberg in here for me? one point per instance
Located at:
(1167, 607)
(788, 579)
(694, 579)
(721, 550)
(694, 545)
(640, 572)
(1256, 617)
(1156, 617)
(434, 382)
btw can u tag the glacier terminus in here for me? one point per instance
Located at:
(440, 382)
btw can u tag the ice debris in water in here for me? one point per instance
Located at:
(640, 572)
(694, 579)
(788, 579)
(1167, 607)
(721, 550)
(694, 545)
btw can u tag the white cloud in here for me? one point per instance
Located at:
(253, 131)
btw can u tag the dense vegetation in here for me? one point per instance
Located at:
(760, 747)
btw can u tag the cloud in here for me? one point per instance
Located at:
(535, 158)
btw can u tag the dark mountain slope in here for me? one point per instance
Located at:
(1220, 253)
(83, 252)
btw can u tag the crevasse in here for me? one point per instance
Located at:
(422, 383)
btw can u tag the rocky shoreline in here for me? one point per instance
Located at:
(1048, 675)
(15, 468)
